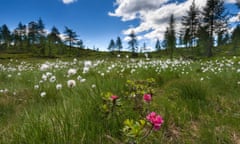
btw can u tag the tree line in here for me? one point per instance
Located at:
(33, 38)
(203, 32)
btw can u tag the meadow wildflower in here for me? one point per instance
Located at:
(79, 78)
(71, 83)
(93, 86)
(114, 97)
(43, 94)
(85, 69)
(87, 63)
(36, 87)
(59, 86)
(155, 120)
(44, 67)
(52, 79)
(82, 80)
(72, 71)
(147, 97)
(102, 74)
(44, 77)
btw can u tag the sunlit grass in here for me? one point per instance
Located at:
(199, 101)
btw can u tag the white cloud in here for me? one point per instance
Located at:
(235, 18)
(231, 1)
(153, 15)
(68, 1)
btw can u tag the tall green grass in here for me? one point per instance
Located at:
(197, 107)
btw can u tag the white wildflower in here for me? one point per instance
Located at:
(93, 86)
(72, 71)
(44, 67)
(102, 74)
(85, 69)
(52, 79)
(44, 77)
(87, 63)
(59, 86)
(36, 87)
(79, 78)
(43, 94)
(82, 80)
(71, 83)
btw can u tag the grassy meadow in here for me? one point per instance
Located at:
(102, 101)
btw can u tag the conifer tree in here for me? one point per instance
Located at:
(112, 45)
(133, 43)
(119, 44)
(170, 37)
(158, 45)
(190, 23)
(213, 21)
(235, 39)
(70, 37)
(5, 36)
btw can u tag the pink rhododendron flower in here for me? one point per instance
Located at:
(114, 97)
(155, 120)
(147, 97)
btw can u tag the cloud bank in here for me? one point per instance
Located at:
(153, 15)
(68, 1)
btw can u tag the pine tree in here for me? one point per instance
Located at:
(190, 23)
(213, 19)
(41, 36)
(20, 35)
(158, 45)
(112, 45)
(119, 44)
(235, 39)
(133, 43)
(5, 36)
(170, 36)
(53, 39)
(70, 37)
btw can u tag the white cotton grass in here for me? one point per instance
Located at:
(72, 71)
(59, 86)
(44, 67)
(93, 86)
(44, 77)
(71, 83)
(85, 70)
(43, 94)
(36, 86)
(52, 79)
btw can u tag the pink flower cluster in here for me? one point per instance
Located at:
(147, 97)
(155, 120)
(114, 97)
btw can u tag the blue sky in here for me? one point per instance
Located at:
(98, 21)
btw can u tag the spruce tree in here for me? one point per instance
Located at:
(5, 36)
(235, 39)
(158, 45)
(133, 43)
(170, 36)
(70, 37)
(119, 44)
(190, 24)
(213, 21)
(111, 46)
